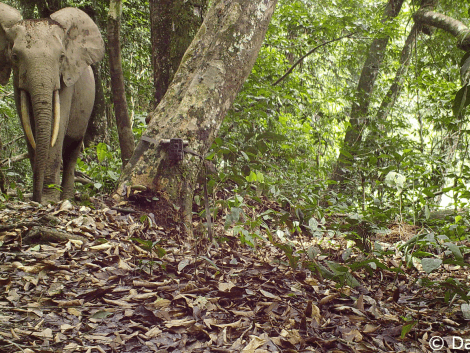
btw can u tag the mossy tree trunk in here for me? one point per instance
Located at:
(173, 26)
(211, 73)
(359, 117)
(123, 121)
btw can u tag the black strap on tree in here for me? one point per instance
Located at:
(175, 152)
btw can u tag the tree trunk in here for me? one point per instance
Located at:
(211, 73)
(395, 89)
(173, 26)
(160, 31)
(123, 122)
(98, 125)
(360, 108)
(48, 7)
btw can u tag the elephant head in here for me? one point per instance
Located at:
(45, 55)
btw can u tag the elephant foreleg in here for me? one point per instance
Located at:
(70, 154)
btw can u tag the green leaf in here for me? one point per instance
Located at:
(252, 177)
(427, 212)
(455, 250)
(430, 264)
(346, 153)
(407, 328)
(101, 151)
(271, 136)
(159, 251)
(245, 156)
(102, 314)
(146, 244)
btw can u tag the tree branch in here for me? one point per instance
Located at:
(310, 52)
(14, 159)
(448, 24)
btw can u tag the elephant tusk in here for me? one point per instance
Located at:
(25, 119)
(55, 131)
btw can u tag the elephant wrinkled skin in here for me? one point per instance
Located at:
(54, 89)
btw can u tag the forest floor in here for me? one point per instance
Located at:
(106, 291)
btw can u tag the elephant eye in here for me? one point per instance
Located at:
(62, 57)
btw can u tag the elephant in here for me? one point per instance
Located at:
(54, 89)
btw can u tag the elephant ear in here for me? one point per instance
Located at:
(8, 18)
(83, 43)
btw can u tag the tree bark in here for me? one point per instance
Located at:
(211, 73)
(98, 125)
(360, 108)
(160, 31)
(173, 26)
(395, 89)
(123, 122)
(448, 24)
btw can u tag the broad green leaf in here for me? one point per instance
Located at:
(312, 224)
(430, 264)
(252, 177)
(455, 250)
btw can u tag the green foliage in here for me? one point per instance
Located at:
(103, 165)
(152, 247)
(281, 142)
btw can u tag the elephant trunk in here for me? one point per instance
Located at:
(26, 118)
(43, 109)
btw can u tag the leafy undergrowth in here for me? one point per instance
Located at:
(127, 284)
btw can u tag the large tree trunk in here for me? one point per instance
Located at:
(98, 125)
(211, 73)
(173, 26)
(360, 108)
(123, 122)
(160, 25)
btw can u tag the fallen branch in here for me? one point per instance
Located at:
(14, 159)
(49, 235)
(12, 141)
(19, 225)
